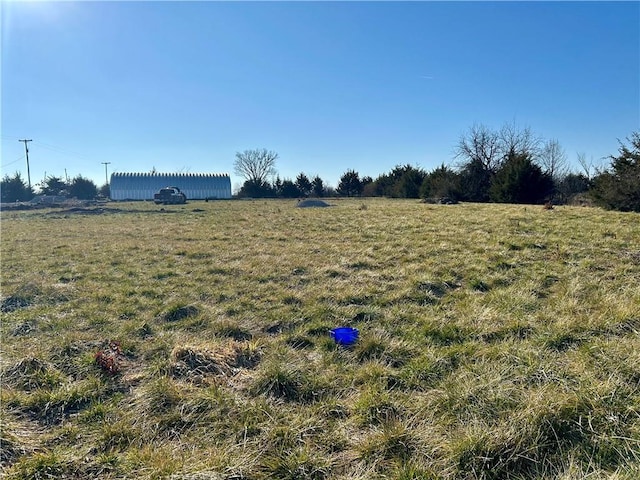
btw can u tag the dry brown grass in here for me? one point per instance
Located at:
(497, 341)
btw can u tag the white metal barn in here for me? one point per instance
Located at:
(196, 186)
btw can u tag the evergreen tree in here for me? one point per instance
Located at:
(475, 182)
(519, 180)
(304, 184)
(618, 188)
(442, 182)
(409, 183)
(83, 188)
(54, 186)
(350, 184)
(403, 181)
(277, 186)
(253, 189)
(318, 187)
(14, 189)
(484, 152)
(105, 191)
(289, 189)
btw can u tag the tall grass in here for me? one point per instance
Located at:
(496, 341)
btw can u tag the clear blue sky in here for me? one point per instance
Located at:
(330, 86)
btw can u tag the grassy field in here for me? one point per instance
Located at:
(192, 342)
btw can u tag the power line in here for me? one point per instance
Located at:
(26, 151)
(63, 150)
(9, 137)
(15, 161)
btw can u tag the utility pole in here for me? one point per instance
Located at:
(26, 151)
(106, 178)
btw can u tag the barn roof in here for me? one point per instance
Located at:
(147, 174)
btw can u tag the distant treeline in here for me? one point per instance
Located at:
(506, 166)
(509, 165)
(14, 189)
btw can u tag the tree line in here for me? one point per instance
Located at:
(14, 189)
(508, 165)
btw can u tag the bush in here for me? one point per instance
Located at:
(83, 188)
(442, 182)
(520, 180)
(619, 187)
(13, 189)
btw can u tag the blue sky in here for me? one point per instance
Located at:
(330, 86)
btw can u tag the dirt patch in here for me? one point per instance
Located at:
(50, 201)
(86, 211)
(312, 203)
(102, 211)
(82, 208)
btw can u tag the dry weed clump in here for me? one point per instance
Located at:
(109, 359)
(224, 359)
(179, 312)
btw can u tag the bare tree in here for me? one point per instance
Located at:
(482, 145)
(483, 153)
(518, 141)
(587, 166)
(553, 159)
(490, 148)
(256, 166)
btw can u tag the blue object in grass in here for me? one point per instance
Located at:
(345, 335)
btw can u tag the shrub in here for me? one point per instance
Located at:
(13, 189)
(619, 187)
(519, 180)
